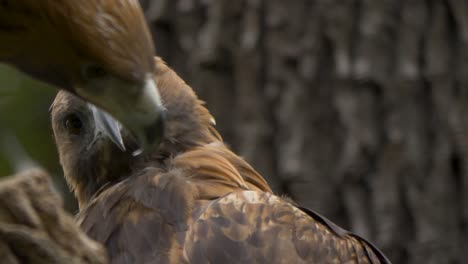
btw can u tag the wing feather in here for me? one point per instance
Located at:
(371, 250)
(261, 227)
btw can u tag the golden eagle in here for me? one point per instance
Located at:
(191, 199)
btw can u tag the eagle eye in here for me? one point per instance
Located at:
(94, 72)
(73, 124)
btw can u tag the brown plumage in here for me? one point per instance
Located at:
(100, 50)
(191, 200)
(61, 36)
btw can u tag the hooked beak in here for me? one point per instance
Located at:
(141, 113)
(106, 125)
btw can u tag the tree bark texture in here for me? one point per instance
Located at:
(357, 109)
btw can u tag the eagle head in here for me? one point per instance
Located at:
(100, 50)
(91, 159)
(88, 156)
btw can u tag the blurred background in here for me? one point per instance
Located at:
(357, 109)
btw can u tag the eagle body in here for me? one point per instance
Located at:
(191, 200)
(163, 225)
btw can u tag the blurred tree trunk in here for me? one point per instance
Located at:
(357, 109)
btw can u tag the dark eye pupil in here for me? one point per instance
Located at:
(95, 71)
(73, 125)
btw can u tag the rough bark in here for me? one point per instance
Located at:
(356, 108)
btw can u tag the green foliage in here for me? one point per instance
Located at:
(24, 113)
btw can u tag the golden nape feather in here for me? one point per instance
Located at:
(191, 200)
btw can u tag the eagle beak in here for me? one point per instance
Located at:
(106, 125)
(141, 112)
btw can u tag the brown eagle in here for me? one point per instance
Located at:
(100, 50)
(191, 199)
